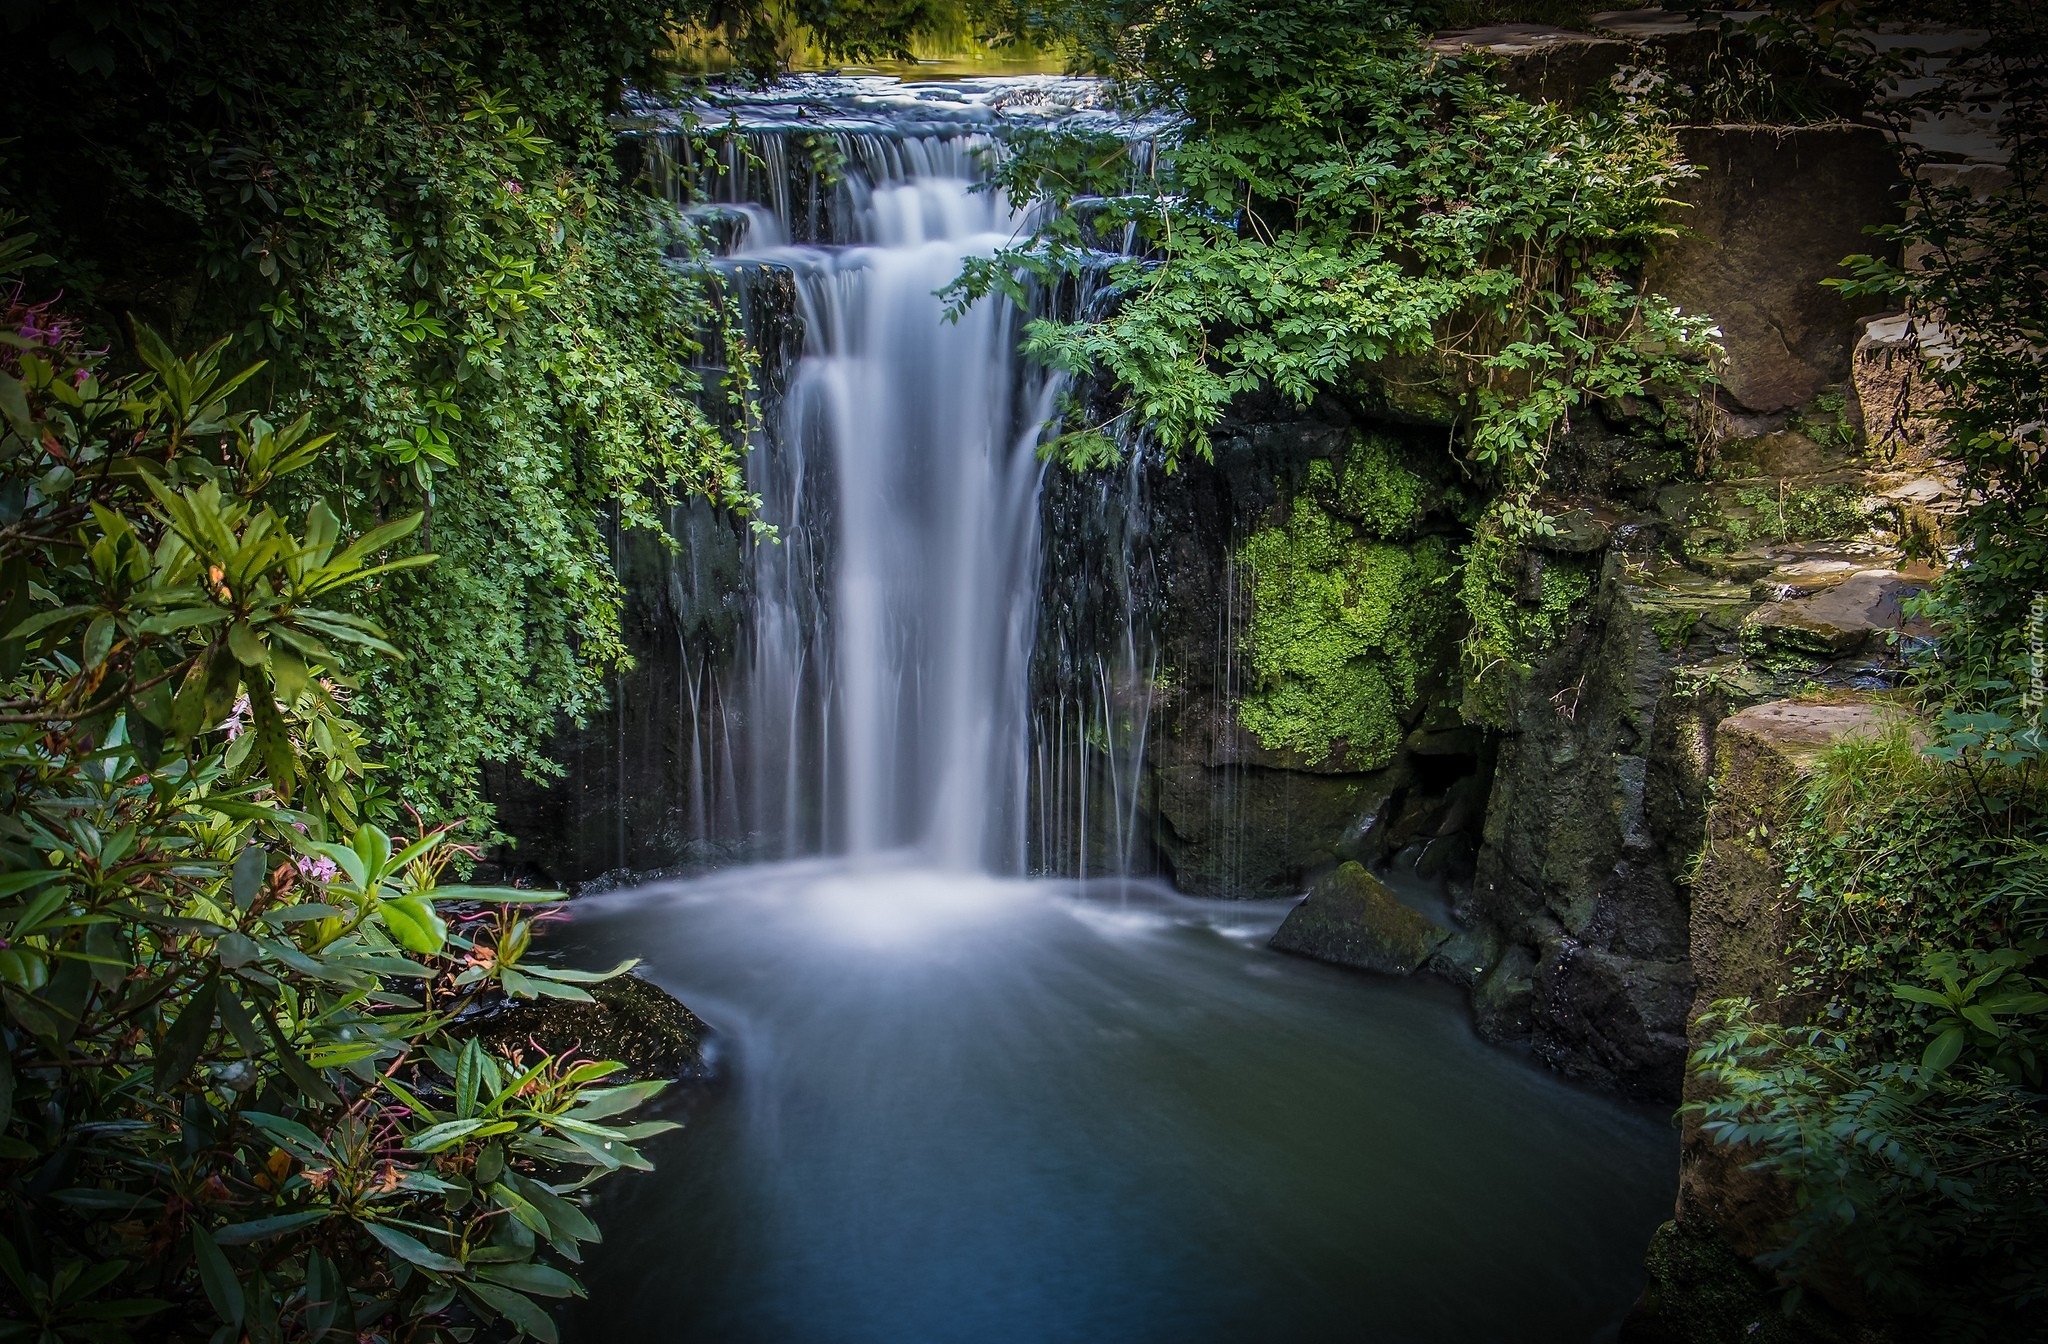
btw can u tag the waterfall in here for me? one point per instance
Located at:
(860, 678)
(893, 609)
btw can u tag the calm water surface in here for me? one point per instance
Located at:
(960, 1108)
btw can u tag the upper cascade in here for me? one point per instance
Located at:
(886, 656)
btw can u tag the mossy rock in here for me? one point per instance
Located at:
(1701, 1292)
(1253, 832)
(1343, 629)
(1351, 918)
(629, 1019)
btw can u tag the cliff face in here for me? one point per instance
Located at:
(1704, 1288)
(1677, 588)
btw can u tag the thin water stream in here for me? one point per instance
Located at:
(960, 1105)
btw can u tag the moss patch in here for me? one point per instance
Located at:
(1508, 631)
(1341, 623)
(1373, 490)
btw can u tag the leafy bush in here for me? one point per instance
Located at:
(234, 1099)
(1338, 208)
(415, 211)
(1909, 1119)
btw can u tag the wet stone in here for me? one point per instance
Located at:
(1849, 617)
(1353, 919)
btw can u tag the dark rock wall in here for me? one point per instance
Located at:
(1142, 763)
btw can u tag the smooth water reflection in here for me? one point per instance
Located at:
(959, 1108)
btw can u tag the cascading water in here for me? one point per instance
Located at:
(893, 615)
(911, 422)
(962, 1105)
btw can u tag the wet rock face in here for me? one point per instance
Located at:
(1773, 212)
(1146, 628)
(1601, 779)
(627, 785)
(1352, 919)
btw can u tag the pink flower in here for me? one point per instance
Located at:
(317, 868)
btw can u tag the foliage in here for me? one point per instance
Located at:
(415, 211)
(234, 1102)
(1340, 209)
(761, 40)
(1343, 627)
(1337, 197)
(1507, 632)
(1977, 291)
(1910, 1120)
(1795, 513)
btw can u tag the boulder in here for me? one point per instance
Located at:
(631, 1020)
(1773, 212)
(1352, 919)
(1244, 831)
(1502, 997)
(1849, 616)
(1613, 1019)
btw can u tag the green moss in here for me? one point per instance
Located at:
(1341, 624)
(1776, 514)
(1674, 628)
(1508, 634)
(1373, 489)
(1819, 513)
(1826, 420)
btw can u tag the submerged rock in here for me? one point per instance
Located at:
(631, 1020)
(1351, 918)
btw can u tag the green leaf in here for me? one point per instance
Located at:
(44, 620)
(1943, 1050)
(183, 1041)
(263, 1229)
(498, 895)
(1916, 994)
(412, 921)
(520, 1310)
(599, 1103)
(540, 1280)
(11, 883)
(444, 1135)
(296, 1068)
(581, 977)
(291, 1136)
(217, 1277)
(567, 1221)
(412, 1250)
(248, 648)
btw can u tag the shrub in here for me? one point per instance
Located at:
(234, 1099)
